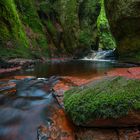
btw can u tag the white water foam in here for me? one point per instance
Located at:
(99, 56)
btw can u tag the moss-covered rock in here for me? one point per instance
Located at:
(107, 41)
(13, 40)
(33, 27)
(77, 28)
(21, 31)
(88, 13)
(104, 103)
(124, 19)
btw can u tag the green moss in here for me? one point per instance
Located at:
(51, 27)
(44, 6)
(30, 18)
(12, 34)
(21, 31)
(69, 21)
(68, 13)
(85, 37)
(107, 41)
(88, 13)
(108, 98)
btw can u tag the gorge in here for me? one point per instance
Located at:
(69, 69)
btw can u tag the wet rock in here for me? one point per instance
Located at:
(24, 77)
(32, 88)
(4, 64)
(131, 119)
(129, 133)
(133, 72)
(24, 63)
(7, 88)
(95, 134)
(9, 70)
(59, 128)
(43, 133)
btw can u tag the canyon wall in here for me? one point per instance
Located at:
(40, 28)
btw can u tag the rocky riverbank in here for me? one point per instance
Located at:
(104, 132)
(13, 65)
(29, 93)
(8, 66)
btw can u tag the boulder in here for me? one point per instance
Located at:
(124, 19)
(109, 102)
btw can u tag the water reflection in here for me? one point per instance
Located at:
(71, 68)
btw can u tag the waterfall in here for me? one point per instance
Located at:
(101, 55)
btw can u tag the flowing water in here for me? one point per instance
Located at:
(30, 104)
(107, 55)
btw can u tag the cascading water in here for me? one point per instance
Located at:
(101, 55)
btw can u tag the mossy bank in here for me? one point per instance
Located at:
(110, 98)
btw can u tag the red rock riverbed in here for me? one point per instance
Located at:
(30, 125)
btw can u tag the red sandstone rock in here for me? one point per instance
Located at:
(130, 134)
(2, 71)
(22, 77)
(132, 119)
(60, 129)
(133, 72)
(65, 128)
(96, 134)
(67, 82)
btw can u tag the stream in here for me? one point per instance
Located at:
(28, 105)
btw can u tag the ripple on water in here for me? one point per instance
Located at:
(23, 112)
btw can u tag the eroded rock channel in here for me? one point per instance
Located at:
(32, 108)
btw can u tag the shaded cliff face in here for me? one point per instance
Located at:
(124, 18)
(71, 25)
(38, 28)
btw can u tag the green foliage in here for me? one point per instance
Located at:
(108, 98)
(107, 41)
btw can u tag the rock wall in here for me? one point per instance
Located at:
(12, 34)
(124, 18)
(106, 39)
(39, 28)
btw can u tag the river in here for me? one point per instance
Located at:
(28, 104)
